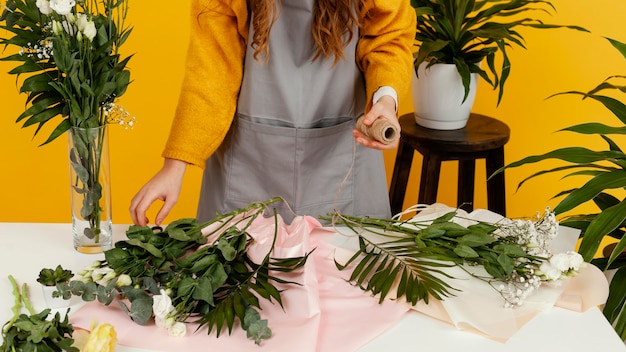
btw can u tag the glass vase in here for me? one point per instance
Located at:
(90, 188)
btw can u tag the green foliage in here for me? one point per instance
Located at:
(212, 284)
(466, 32)
(413, 254)
(68, 73)
(604, 171)
(51, 277)
(34, 331)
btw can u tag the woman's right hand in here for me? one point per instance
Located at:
(165, 186)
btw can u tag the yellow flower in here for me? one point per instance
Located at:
(101, 339)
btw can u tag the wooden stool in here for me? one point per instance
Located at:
(483, 137)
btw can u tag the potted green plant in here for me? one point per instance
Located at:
(462, 34)
(49, 279)
(605, 172)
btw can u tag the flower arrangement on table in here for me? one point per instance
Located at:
(410, 256)
(69, 54)
(189, 272)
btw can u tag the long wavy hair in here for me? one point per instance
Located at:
(334, 23)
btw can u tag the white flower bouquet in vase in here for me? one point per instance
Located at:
(72, 70)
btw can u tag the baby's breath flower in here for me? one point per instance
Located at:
(117, 114)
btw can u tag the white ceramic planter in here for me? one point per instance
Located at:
(53, 302)
(438, 97)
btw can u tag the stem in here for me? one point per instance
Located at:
(17, 306)
(26, 300)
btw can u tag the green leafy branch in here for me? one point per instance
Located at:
(212, 284)
(409, 256)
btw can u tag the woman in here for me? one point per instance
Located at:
(269, 101)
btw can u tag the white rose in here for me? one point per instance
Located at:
(62, 7)
(178, 329)
(90, 30)
(44, 7)
(162, 305)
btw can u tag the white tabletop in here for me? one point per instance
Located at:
(26, 248)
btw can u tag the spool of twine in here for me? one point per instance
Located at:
(381, 130)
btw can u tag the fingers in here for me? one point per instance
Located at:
(164, 211)
(139, 206)
(165, 186)
(384, 109)
(370, 143)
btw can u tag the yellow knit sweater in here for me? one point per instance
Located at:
(214, 68)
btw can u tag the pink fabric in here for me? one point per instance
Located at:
(325, 314)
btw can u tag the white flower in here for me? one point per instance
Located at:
(124, 280)
(62, 7)
(70, 18)
(159, 321)
(162, 305)
(550, 271)
(90, 30)
(68, 27)
(178, 329)
(81, 21)
(96, 264)
(44, 7)
(560, 261)
(57, 29)
(102, 273)
(575, 260)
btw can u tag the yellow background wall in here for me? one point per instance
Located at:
(34, 180)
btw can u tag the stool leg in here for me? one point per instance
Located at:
(429, 181)
(400, 177)
(465, 195)
(496, 197)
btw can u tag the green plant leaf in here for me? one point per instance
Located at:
(602, 224)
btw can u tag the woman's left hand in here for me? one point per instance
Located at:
(385, 108)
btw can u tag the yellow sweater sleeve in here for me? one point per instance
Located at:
(384, 52)
(213, 74)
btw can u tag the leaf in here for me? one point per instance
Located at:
(147, 246)
(476, 239)
(228, 251)
(116, 257)
(256, 328)
(506, 263)
(178, 234)
(203, 263)
(141, 310)
(617, 296)
(605, 222)
(593, 187)
(203, 291)
(465, 251)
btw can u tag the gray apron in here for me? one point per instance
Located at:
(292, 133)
